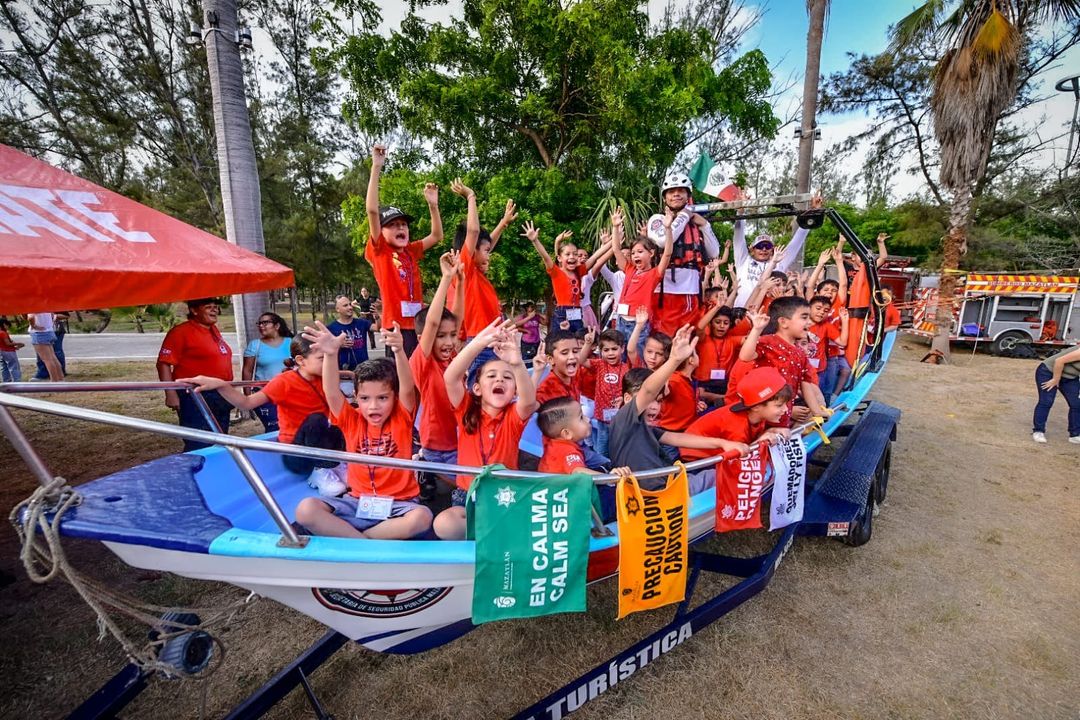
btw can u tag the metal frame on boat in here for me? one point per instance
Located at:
(841, 503)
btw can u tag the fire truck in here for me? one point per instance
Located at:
(1005, 310)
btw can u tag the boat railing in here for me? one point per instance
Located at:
(12, 396)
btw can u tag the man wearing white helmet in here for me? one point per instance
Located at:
(679, 291)
(750, 262)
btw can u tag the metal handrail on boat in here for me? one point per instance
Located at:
(236, 445)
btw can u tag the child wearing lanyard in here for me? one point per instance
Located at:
(382, 501)
(565, 279)
(490, 421)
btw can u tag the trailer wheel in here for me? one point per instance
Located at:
(881, 474)
(863, 528)
(1007, 341)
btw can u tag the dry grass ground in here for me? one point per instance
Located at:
(964, 604)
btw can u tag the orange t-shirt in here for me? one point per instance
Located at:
(495, 441)
(438, 428)
(481, 301)
(821, 335)
(195, 349)
(296, 397)
(561, 457)
(892, 315)
(398, 276)
(716, 356)
(637, 291)
(393, 439)
(679, 408)
(567, 287)
(553, 387)
(724, 424)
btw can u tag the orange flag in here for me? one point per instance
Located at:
(654, 529)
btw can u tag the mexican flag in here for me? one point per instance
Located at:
(710, 178)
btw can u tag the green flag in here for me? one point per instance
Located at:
(532, 545)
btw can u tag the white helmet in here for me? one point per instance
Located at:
(676, 180)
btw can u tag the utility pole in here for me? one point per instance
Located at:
(237, 169)
(808, 131)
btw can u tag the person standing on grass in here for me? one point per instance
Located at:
(9, 354)
(264, 359)
(196, 347)
(60, 327)
(354, 348)
(43, 338)
(365, 304)
(1061, 372)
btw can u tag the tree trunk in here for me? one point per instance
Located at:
(953, 246)
(238, 171)
(814, 36)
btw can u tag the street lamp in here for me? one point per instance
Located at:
(1070, 85)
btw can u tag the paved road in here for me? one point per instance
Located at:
(111, 346)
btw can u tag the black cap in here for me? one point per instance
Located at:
(389, 213)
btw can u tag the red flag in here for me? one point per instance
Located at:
(739, 484)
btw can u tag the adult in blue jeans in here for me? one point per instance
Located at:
(1059, 372)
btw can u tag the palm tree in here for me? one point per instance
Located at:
(237, 169)
(975, 81)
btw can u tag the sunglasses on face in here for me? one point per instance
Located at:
(764, 246)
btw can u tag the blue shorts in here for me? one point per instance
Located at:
(448, 457)
(42, 338)
(345, 508)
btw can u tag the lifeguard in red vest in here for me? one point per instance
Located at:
(678, 296)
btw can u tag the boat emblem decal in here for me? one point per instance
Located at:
(379, 603)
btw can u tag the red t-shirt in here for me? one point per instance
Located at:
(393, 439)
(716, 356)
(820, 335)
(723, 424)
(738, 371)
(561, 457)
(6, 343)
(438, 428)
(603, 383)
(195, 349)
(398, 276)
(637, 290)
(790, 360)
(567, 287)
(296, 397)
(495, 441)
(679, 408)
(892, 315)
(832, 349)
(553, 387)
(481, 301)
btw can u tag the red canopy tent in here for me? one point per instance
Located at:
(66, 243)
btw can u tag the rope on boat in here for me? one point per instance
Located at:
(37, 523)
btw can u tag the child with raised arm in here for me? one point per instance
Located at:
(481, 306)
(565, 278)
(750, 262)
(790, 317)
(655, 349)
(382, 502)
(635, 440)
(823, 332)
(643, 273)
(393, 258)
(436, 349)
(490, 420)
(717, 351)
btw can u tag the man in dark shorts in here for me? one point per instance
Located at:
(365, 306)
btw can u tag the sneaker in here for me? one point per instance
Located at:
(1041, 437)
(328, 481)
(1075, 439)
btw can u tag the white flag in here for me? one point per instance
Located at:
(789, 485)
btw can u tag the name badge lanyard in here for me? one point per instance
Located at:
(485, 454)
(410, 276)
(367, 445)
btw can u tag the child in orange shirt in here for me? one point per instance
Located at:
(824, 333)
(395, 260)
(565, 279)
(562, 351)
(717, 350)
(763, 397)
(490, 421)
(381, 502)
(657, 347)
(437, 348)
(481, 306)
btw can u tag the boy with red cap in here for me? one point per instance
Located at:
(393, 258)
(763, 396)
